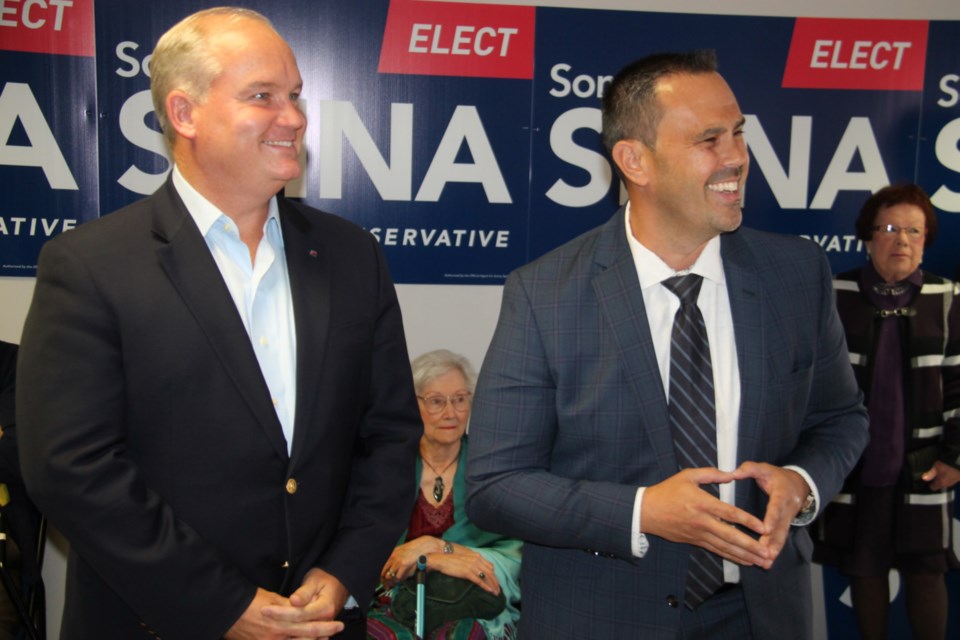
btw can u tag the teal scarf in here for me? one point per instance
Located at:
(503, 553)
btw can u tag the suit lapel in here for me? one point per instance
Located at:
(310, 287)
(744, 289)
(621, 306)
(187, 261)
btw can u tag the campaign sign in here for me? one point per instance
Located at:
(817, 152)
(48, 127)
(465, 138)
(424, 141)
(938, 145)
(425, 147)
(133, 158)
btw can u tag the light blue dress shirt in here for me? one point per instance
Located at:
(260, 289)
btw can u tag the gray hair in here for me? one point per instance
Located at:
(433, 364)
(183, 59)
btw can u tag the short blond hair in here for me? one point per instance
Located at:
(183, 59)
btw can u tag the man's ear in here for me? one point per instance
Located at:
(633, 160)
(180, 113)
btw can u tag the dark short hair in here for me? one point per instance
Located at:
(903, 193)
(629, 104)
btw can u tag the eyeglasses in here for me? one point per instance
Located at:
(892, 230)
(435, 404)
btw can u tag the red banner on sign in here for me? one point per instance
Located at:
(455, 39)
(857, 54)
(63, 27)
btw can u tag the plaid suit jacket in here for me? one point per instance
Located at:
(570, 418)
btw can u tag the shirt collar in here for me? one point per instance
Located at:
(651, 269)
(204, 213)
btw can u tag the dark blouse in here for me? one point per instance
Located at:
(884, 455)
(428, 520)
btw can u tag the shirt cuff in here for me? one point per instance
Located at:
(639, 545)
(804, 519)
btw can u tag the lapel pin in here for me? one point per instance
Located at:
(313, 253)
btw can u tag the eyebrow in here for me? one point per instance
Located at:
(263, 84)
(715, 131)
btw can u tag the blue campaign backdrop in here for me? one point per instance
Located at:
(938, 144)
(526, 171)
(48, 158)
(841, 622)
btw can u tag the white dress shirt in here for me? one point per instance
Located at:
(714, 303)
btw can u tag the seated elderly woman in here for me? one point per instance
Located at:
(476, 564)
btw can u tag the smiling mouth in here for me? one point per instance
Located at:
(725, 187)
(279, 143)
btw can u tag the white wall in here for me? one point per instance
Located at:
(15, 294)
(463, 317)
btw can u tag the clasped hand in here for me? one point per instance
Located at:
(307, 614)
(679, 510)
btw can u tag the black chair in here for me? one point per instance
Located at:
(26, 593)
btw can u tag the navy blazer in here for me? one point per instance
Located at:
(570, 418)
(149, 439)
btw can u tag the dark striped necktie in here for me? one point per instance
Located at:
(693, 417)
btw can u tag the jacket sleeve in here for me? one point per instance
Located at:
(513, 431)
(833, 430)
(381, 489)
(950, 448)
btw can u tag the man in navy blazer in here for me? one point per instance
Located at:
(571, 449)
(214, 392)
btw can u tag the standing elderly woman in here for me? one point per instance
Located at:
(439, 528)
(903, 334)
